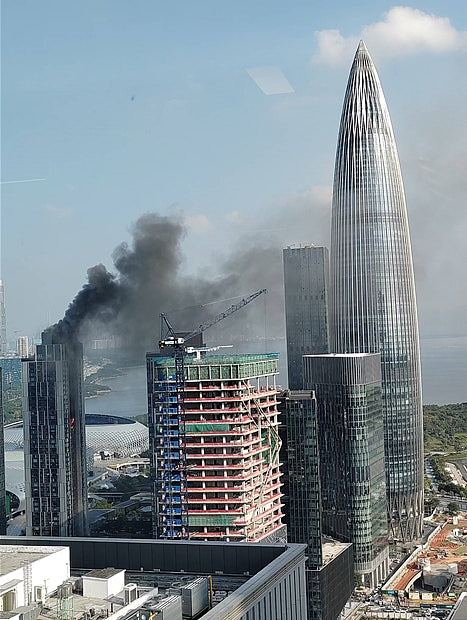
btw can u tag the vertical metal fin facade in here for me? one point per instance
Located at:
(372, 297)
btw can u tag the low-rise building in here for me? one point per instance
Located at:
(29, 573)
(123, 579)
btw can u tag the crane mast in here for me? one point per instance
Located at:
(171, 465)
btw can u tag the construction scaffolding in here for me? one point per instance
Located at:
(169, 459)
(230, 485)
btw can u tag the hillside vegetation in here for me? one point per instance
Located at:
(445, 427)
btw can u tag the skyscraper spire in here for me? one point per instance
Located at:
(373, 306)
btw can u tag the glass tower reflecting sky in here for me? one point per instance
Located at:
(372, 289)
(306, 287)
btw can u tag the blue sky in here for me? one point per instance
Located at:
(130, 107)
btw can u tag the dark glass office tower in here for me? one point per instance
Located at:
(54, 440)
(306, 271)
(303, 473)
(372, 291)
(351, 447)
(329, 571)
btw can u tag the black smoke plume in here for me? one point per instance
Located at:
(147, 281)
(99, 299)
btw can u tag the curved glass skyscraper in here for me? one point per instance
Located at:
(372, 297)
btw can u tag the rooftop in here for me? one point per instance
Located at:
(344, 355)
(304, 246)
(13, 557)
(443, 549)
(332, 548)
(104, 573)
(242, 574)
(244, 358)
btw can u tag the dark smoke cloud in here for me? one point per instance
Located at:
(100, 299)
(147, 281)
(147, 278)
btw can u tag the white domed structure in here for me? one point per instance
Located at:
(114, 435)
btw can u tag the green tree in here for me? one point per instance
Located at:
(452, 508)
(445, 427)
(102, 504)
(431, 502)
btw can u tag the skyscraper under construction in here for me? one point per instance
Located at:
(372, 290)
(215, 469)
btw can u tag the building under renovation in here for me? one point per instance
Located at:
(215, 463)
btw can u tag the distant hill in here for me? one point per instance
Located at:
(445, 427)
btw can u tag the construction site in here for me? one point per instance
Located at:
(435, 574)
(217, 474)
(214, 440)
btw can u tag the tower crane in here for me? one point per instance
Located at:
(172, 480)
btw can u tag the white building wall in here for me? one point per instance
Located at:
(18, 588)
(48, 572)
(51, 571)
(97, 587)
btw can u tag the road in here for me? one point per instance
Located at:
(456, 471)
(444, 500)
(462, 468)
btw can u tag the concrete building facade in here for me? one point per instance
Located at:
(23, 346)
(54, 441)
(351, 445)
(215, 469)
(306, 306)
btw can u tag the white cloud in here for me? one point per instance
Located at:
(402, 31)
(271, 80)
(198, 223)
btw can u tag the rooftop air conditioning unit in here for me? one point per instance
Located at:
(130, 593)
(39, 594)
(195, 597)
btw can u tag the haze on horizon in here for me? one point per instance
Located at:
(129, 110)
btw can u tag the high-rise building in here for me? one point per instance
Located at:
(2, 466)
(303, 472)
(329, 571)
(372, 290)
(23, 346)
(351, 447)
(54, 440)
(306, 308)
(3, 340)
(11, 368)
(215, 469)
